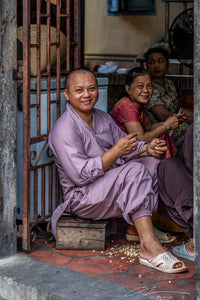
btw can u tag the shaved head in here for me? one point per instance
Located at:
(82, 71)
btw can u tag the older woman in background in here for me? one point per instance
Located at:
(164, 100)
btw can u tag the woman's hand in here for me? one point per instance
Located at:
(126, 145)
(172, 122)
(157, 148)
(181, 118)
(189, 115)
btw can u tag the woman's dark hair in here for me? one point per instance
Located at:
(130, 77)
(156, 50)
(133, 73)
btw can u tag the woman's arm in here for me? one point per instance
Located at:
(142, 135)
(161, 113)
(151, 131)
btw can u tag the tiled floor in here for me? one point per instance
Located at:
(117, 266)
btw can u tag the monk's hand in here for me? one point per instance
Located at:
(157, 148)
(126, 144)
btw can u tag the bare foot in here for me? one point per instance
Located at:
(152, 249)
(190, 248)
(163, 237)
(150, 246)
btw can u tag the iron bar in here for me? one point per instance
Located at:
(38, 38)
(68, 31)
(35, 194)
(77, 31)
(58, 57)
(43, 192)
(42, 165)
(48, 64)
(39, 220)
(50, 189)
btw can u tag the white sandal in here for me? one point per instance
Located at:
(164, 262)
(163, 237)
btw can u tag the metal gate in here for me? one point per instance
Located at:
(51, 35)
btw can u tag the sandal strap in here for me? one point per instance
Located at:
(162, 235)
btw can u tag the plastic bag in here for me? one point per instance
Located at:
(109, 67)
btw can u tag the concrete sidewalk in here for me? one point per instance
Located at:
(24, 278)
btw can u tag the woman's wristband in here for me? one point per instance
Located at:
(165, 128)
(147, 149)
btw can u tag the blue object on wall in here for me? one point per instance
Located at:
(131, 7)
(113, 6)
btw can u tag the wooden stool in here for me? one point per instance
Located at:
(81, 234)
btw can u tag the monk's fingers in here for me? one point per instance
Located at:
(127, 144)
(131, 141)
(132, 137)
(132, 146)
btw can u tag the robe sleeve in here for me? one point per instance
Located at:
(117, 134)
(71, 159)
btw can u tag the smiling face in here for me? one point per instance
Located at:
(82, 92)
(157, 65)
(140, 90)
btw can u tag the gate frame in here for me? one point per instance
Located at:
(74, 42)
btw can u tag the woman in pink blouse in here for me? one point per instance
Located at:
(130, 115)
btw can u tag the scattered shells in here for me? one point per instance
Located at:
(125, 251)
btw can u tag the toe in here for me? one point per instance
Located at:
(178, 265)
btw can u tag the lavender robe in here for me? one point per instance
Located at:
(127, 190)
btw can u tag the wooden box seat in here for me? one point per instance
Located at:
(81, 234)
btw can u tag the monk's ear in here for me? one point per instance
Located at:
(66, 93)
(127, 88)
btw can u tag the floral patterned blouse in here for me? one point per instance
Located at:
(163, 96)
(169, 98)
